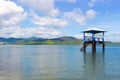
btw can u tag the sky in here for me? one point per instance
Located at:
(57, 18)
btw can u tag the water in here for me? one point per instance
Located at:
(58, 62)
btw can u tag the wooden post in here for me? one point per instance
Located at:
(103, 37)
(93, 47)
(92, 36)
(103, 47)
(84, 47)
(84, 36)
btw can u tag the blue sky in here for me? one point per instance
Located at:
(56, 18)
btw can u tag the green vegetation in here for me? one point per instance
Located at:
(40, 41)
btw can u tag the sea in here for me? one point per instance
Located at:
(59, 62)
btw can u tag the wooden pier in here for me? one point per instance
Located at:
(93, 37)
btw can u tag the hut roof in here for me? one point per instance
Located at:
(95, 30)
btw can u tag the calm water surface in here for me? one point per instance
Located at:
(58, 62)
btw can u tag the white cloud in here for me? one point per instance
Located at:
(48, 21)
(18, 32)
(47, 7)
(43, 5)
(117, 33)
(78, 16)
(91, 14)
(10, 13)
(78, 36)
(114, 36)
(53, 13)
(92, 2)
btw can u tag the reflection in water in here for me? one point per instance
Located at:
(94, 66)
(9, 63)
(56, 62)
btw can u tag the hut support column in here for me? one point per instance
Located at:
(84, 47)
(103, 47)
(93, 47)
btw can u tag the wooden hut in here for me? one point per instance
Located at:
(93, 37)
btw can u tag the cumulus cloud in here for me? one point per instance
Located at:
(75, 15)
(44, 5)
(91, 14)
(18, 32)
(11, 13)
(79, 36)
(53, 13)
(109, 36)
(48, 21)
(117, 33)
(79, 17)
(47, 7)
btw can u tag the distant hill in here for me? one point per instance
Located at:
(41, 41)
(9, 40)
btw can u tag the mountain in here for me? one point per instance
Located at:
(9, 40)
(62, 39)
(41, 41)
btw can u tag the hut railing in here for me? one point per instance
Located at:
(96, 38)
